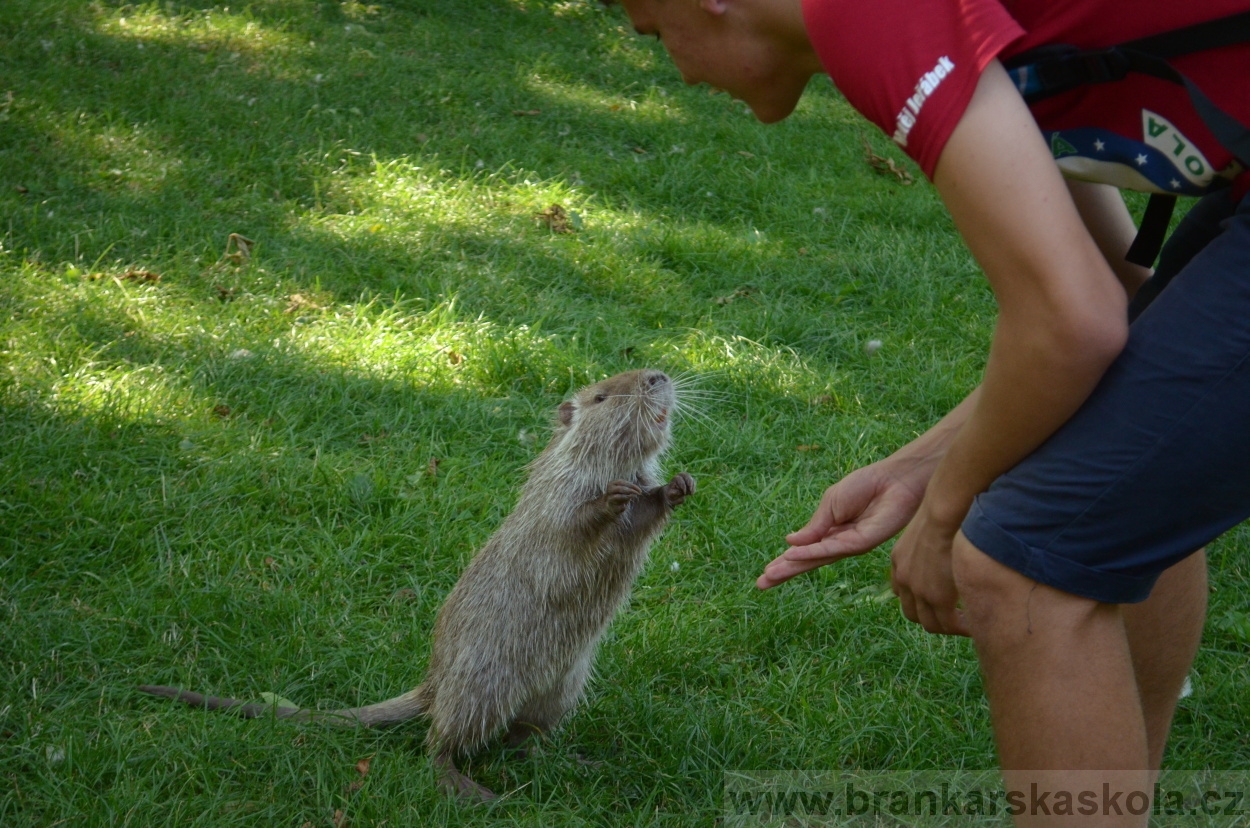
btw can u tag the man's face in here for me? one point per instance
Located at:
(722, 43)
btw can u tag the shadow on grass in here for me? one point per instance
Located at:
(151, 145)
(242, 506)
(143, 136)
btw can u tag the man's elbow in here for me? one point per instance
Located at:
(1097, 340)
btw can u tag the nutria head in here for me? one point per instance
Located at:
(625, 420)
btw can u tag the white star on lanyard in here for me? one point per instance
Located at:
(1099, 146)
(1141, 160)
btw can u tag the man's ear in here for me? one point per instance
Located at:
(716, 7)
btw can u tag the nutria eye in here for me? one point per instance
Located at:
(600, 397)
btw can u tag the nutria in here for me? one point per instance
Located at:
(515, 639)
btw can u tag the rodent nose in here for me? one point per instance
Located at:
(657, 378)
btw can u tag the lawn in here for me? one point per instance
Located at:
(289, 293)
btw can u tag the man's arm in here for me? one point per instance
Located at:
(870, 505)
(1107, 218)
(1062, 321)
(1061, 310)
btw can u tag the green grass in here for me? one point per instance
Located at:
(221, 478)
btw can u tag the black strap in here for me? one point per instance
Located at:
(1065, 67)
(1212, 34)
(1233, 134)
(1154, 228)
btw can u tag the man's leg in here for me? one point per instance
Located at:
(1153, 465)
(1163, 634)
(1063, 695)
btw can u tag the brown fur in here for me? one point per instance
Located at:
(515, 640)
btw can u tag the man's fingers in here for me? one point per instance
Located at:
(957, 625)
(843, 542)
(907, 603)
(863, 533)
(779, 572)
(939, 619)
(816, 528)
(833, 511)
(784, 568)
(799, 559)
(828, 549)
(928, 618)
(805, 536)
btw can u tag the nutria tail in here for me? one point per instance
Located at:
(400, 709)
(248, 710)
(392, 711)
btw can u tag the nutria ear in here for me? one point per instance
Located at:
(566, 413)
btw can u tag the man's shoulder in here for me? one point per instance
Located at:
(909, 66)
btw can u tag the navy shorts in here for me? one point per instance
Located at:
(1156, 463)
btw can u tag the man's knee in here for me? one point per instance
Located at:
(987, 588)
(1001, 605)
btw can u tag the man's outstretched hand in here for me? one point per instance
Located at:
(858, 513)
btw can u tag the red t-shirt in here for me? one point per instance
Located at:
(910, 66)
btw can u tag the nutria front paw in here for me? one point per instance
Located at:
(678, 489)
(620, 494)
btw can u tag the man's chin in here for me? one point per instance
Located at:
(768, 109)
(782, 98)
(770, 112)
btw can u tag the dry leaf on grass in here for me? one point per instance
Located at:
(740, 293)
(133, 275)
(238, 249)
(558, 219)
(885, 166)
(299, 302)
(141, 276)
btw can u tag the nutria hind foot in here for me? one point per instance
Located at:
(454, 783)
(521, 739)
